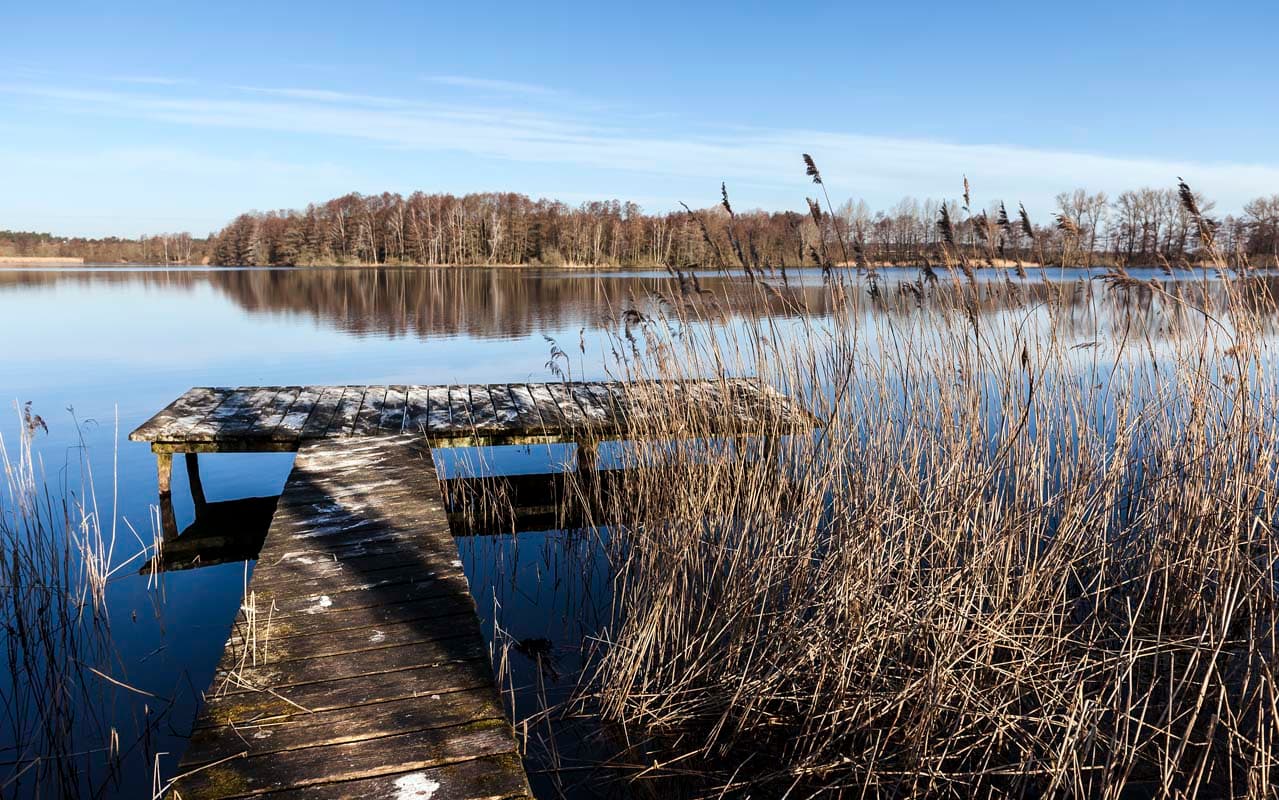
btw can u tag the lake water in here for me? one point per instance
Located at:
(98, 351)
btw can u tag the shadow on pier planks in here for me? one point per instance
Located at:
(356, 667)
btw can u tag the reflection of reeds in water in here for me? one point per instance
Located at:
(1010, 563)
(57, 738)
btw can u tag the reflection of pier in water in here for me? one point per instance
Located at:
(223, 531)
(234, 530)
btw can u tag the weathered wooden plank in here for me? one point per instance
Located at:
(368, 758)
(235, 405)
(447, 636)
(740, 411)
(753, 409)
(439, 418)
(299, 594)
(419, 610)
(570, 411)
(624, 400)
(441, 633)
(339, 534)
(282, 732)
(257, 402)
(272, 675)
(526, 407)
(336, 539)
(508, 418)
(406, 561)
(417, 409)
(393, 409)
(617, 419)
(708, 403)
(370, 414)
(596, 413)
(292, 424)
(366, 574)
(319, 598)
(318, 696)
(483, 778)
(293, 542)
(348, 408)
(273, 413)
(483, 414)
(181, 414)
(359, 546)
(759, 395)
(459, 409)
(347, 513)
(322, 413)
(637, 402)
(552, 416)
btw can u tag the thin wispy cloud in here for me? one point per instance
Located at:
(146, 80)
(326, 96)
(761, 163)
(489, 85)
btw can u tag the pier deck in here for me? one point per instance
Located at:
(281, 418)
(356, 666)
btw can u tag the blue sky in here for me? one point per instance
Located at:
(146, 117)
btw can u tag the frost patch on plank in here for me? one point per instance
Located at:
(322, 602)
(335, 529)
(415, 786)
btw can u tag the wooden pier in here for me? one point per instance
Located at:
(356, 666)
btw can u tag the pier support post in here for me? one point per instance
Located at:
(770, 449)
(168, 520)
(164, 472)
(588, 455)
(197, 487)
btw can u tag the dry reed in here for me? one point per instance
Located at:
(56, 558)
(1030, 551)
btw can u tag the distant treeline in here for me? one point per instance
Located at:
(166, 248)
(1141, 227)
(1147, 226)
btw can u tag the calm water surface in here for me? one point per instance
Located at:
(98, 351)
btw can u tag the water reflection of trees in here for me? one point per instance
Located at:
(506, 303)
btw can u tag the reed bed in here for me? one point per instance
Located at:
(1030, 549)
(57, 725)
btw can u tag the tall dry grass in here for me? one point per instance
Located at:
(57, 697)
(1030, 551)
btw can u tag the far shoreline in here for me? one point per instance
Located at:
(16, 263)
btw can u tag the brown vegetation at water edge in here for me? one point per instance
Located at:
(1017, 560)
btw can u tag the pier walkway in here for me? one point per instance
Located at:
(356, 666)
